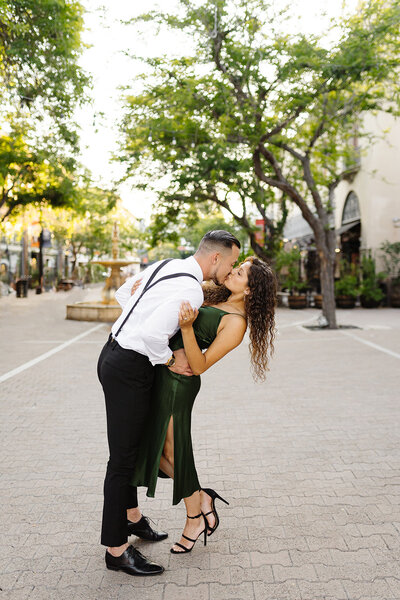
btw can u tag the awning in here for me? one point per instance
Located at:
(348, 226)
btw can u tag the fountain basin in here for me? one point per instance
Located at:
(93, 311)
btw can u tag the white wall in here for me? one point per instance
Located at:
(377, 185)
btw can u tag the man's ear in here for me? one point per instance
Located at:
(215, 258)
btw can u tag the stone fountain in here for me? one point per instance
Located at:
(108, 309)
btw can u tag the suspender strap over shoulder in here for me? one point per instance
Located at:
(172, 276)
(149, 285)
(160, 266)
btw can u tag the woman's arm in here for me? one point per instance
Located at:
(230, 334)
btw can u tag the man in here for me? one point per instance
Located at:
(139, 340)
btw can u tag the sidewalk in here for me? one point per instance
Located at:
(309, 460)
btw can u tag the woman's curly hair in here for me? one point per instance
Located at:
(259, 306)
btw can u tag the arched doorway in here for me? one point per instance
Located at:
(350, 230)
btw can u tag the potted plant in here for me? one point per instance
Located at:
(34, 279)
(346, 288)
(288, 267)
(371, 295)
(391, 258)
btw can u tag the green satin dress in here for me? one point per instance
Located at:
(173, 395)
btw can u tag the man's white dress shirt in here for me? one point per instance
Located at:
(156, 318)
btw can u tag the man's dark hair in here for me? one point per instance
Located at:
(218, 238)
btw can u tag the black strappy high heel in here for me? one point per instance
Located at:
(185, 550)
(213, 495)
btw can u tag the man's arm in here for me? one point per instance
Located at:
(163, 323)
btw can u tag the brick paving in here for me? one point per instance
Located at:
(309, 461)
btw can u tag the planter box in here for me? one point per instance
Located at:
(368, 303)
(318, 300)
(395, 296)
(297, 302)
(345, 301)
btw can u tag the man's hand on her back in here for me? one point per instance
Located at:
(181, 365)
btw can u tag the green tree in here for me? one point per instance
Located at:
(194, 230)
(163, 250)
(40, 44)
(258, 115)
(32, 174)
(87, 227)
(190, 226)
(41, 85)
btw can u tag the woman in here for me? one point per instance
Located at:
(247, 298)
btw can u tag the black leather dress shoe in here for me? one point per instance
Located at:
(143, 530)
(132, 562)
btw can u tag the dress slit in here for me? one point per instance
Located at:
(163, 447)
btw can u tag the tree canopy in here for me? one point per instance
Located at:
(31, 174)
(259, 113)
(41, 86)
(40, 44)
(88, 226)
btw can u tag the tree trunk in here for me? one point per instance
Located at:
(325, 237)
(326, 252)
(74, 251)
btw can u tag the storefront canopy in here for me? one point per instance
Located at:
(348, 226)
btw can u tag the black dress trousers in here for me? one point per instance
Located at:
(127, 379)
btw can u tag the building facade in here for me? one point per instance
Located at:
(367, 204)
(367, 207)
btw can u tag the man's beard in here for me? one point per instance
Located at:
(214, 277)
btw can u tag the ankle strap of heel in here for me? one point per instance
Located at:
(196, 517)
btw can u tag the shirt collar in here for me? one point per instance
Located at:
(195, 268)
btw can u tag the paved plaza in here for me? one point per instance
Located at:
(309, 461)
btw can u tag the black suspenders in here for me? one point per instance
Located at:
(149, 285)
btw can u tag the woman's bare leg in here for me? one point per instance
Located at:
(166, 467)
(167, 457)
(168, 450)
(206, 507)
(193, 527)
